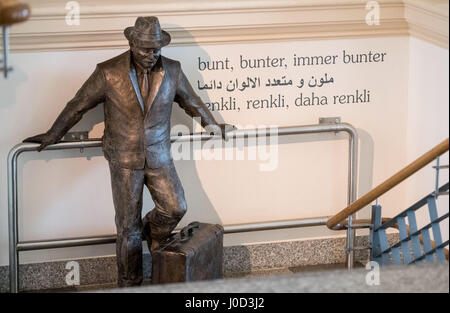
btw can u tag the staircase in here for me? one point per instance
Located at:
(423, 248)
(414, 245)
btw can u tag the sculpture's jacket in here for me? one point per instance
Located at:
(134, 136)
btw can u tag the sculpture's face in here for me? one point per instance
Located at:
(145, 57)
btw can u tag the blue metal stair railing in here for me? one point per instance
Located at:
(384, 254)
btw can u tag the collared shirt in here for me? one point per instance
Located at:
(151, 79)
(141, 71)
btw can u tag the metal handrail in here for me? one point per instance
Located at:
(110, 239)
(15, 245)
(390, 183)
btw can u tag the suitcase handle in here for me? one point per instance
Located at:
(187, 231)
(185, 234)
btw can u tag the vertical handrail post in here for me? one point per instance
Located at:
(13, 221)
(352, 172)
(375, 250)
(436, 188)
(5, 43)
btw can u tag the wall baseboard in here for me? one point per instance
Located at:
(238, 261)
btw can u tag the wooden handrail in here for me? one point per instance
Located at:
(389, 183)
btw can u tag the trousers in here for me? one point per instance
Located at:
(170, 206)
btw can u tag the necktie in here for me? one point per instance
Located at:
(144, 86)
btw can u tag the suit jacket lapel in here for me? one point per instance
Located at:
(155, 86)
(134, 82)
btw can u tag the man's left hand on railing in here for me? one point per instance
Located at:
(44, 139)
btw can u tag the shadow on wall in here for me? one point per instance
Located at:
(199, 204)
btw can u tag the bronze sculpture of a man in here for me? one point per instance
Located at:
(138, 89)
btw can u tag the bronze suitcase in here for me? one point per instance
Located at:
(195, 253)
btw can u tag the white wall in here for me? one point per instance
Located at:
(428, 123)
(65, 194)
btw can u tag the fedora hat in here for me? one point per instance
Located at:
(147, 33)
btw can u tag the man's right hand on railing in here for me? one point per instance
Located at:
(44, 139)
